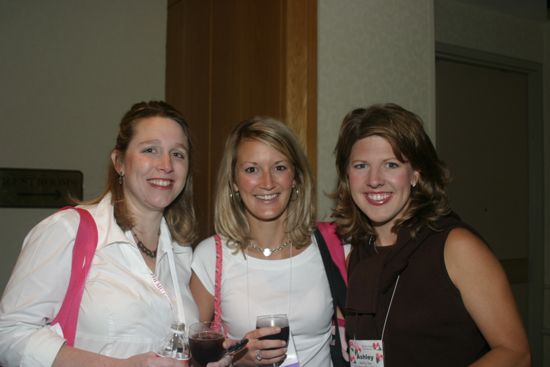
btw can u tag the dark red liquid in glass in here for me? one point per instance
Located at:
(283, 335)
(206, 346)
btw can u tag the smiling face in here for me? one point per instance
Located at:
(380, 184)
(155, 165)
(264, 178)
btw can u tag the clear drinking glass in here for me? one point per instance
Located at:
(206, 342)
(279, 320)
(176, 345)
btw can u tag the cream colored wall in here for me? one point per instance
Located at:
(370, 52)
(488, 30)
(69, 70)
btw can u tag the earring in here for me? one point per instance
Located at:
(120, 178)
(413, 185)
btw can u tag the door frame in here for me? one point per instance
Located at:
(535, 136)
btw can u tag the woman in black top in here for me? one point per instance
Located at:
(424, 289)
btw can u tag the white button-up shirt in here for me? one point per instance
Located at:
(126, 309)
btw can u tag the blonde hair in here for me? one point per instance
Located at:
(229, 218)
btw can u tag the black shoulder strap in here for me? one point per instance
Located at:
(338, 291)
(335, 281)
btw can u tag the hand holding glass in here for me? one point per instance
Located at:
(278, 320)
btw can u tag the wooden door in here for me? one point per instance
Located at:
(228, 60)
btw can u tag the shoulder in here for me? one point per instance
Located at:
(206, 249)
(467, 255)
(64, 220)
(461, 242)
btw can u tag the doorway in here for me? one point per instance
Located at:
(489, 132)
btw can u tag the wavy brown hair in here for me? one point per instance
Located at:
(180, 214)
(230, 215)
(405, 133)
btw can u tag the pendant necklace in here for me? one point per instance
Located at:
(266, 251)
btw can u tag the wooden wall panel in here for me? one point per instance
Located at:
(228, 60)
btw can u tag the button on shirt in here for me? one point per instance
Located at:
(125, 310)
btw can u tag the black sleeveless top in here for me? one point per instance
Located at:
(428, 324)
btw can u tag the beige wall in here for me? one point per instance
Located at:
(69, 70)
(370, 52)
(480, 28)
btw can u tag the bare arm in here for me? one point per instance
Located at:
(203, 299)
(487, 295)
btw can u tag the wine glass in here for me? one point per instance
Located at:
(279, 320)
(176, 345)
(206, 342)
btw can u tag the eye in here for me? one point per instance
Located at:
(280, 167)
(392, 164)
(179, 154)
(251, 169)
(359, 165)
(149, 150)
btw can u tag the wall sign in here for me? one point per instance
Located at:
(39, 188)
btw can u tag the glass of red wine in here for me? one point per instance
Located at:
(279, 320)
(206, 342)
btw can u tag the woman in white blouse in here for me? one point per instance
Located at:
(138, 281)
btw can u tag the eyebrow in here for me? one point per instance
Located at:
(157, 141)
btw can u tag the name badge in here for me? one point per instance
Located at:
(366, 353)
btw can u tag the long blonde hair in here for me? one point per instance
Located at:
(229, 218)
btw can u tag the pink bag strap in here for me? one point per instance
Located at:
(335, 247)
(218, 280)
(83, 251)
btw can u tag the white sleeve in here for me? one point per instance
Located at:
(35, 292)
(204, 263)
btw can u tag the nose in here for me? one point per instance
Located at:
(165, 163)
(266, 180)
(375, 177)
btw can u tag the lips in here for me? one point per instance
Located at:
(163, 183)
(378, 198)
(266, 197)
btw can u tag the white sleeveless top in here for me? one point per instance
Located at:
(297, 286)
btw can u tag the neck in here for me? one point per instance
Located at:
(267, 234)
(385, 238)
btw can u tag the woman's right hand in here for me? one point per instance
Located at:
(262, 352)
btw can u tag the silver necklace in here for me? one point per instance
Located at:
(266, 251)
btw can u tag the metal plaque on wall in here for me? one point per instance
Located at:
(39, 188)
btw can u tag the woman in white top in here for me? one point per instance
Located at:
(145, 221)
(271, 264)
